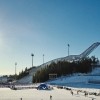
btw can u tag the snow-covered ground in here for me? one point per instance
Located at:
(34, 94)
(75, 82)
(94, 75)
(26, 80)
(90, 80)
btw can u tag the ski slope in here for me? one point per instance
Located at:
(90, 80)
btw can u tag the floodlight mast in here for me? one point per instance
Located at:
(43, 58)
(68, 49)
(15, 70)
(32, 58)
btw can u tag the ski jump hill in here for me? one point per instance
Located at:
(28, 79)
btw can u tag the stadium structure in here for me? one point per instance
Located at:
(70, 58)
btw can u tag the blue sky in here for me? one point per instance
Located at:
(45, 27)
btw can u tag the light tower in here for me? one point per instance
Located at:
(32, 58)
(15, 70)
(68, 49)
(43, 58)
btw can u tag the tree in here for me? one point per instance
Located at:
(63, 68)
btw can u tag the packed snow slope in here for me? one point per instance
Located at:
(90, 80)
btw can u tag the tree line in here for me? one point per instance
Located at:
(65, 68)
(23, 73)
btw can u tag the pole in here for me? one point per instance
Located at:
(32, 58)
(68, 49)
(43, 58)
(15, 70)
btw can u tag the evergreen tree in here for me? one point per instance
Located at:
(64, 68)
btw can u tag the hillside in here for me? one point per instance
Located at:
(90, 80)
(75, 80)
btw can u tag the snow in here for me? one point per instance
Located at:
(90, 80)
(75, 79)
(34, 94)
(25, 80)
(75, 82)
(96, 71)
